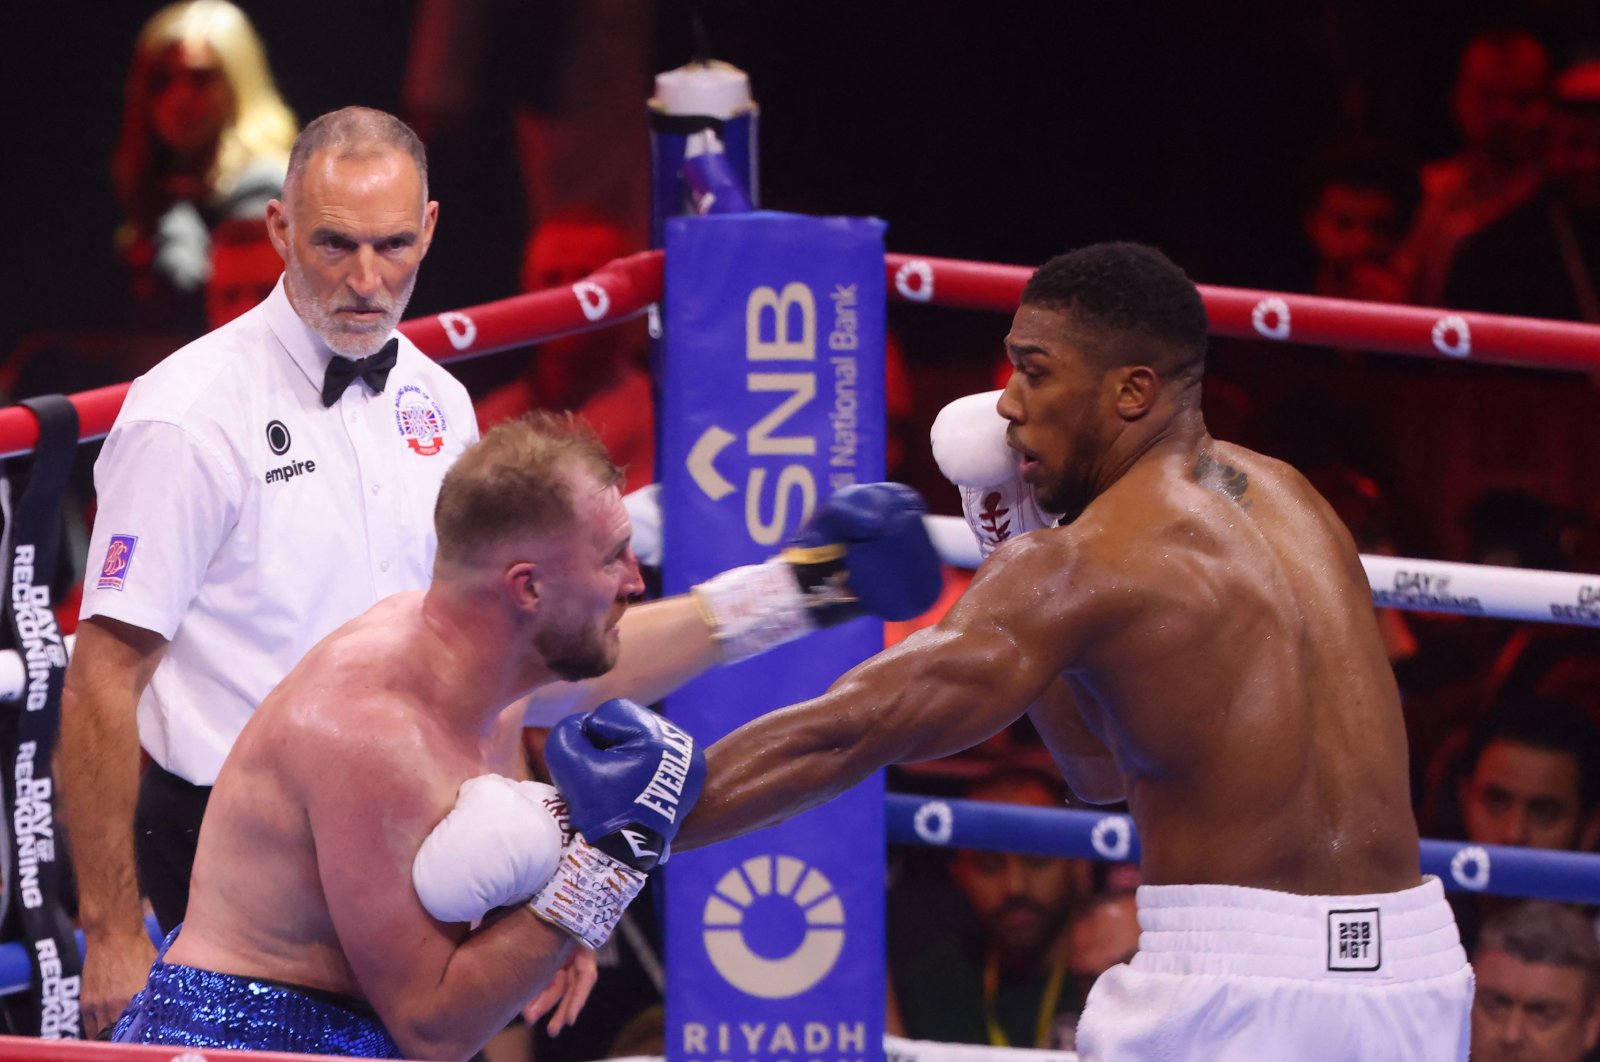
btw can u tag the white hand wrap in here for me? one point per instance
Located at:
(969, 445)
(497, 846)
(588, 893)
(753, 608)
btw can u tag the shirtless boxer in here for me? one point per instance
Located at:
(324, 915)
(1196, 638)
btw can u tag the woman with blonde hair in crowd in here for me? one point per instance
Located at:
(205, 138)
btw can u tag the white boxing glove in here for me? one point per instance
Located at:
(498, 846)
(969, 445)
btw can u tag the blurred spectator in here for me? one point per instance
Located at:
(205, 137)
(1541, 259)
(537, 106)
(1103, 932)
(1230, 412)
(1514, 529)
(1359, 201)
(1551, 662)
(1436, 675)
(1004, 981)
(1538, 974)
(244, 269)
(600, 374)
(1362, 507)
(1356, 199)
(1532, 780)
(1528, 776)
(1500, 103)
(1585, 538)
(899, 405)
(644, 1036)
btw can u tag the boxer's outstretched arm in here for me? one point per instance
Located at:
(865, 549)
(664, 644)
(940, 691)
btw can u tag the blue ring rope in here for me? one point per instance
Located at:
(1495, 870)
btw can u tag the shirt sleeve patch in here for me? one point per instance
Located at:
(119, 555)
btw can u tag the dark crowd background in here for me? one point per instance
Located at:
(1004, 132)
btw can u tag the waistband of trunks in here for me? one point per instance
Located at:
(1230, 930)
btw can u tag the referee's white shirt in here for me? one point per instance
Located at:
(242, 521)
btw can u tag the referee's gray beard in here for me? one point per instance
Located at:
(322, 316)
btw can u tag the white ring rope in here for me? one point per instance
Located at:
(1397, 582)
(1407, 583)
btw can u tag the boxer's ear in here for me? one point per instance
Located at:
(1137, 387)
(521, 581)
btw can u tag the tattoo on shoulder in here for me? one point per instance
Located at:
(1221, 476)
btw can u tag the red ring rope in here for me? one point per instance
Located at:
(615, 292)
(626, 287)
(1241, 313)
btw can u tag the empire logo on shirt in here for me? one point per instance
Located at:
(279, 441)
(284, 473)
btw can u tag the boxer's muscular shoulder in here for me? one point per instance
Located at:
(1130, 546)
(1059, 570)
(326, 722)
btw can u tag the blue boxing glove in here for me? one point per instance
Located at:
(629, 777)
(865, 550)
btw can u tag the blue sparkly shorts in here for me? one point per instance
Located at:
(198, 1008)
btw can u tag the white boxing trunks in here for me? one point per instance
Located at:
(1224, 972)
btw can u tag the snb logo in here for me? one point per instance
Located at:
(780, 334)
(774, 927)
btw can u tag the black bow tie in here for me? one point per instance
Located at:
(374, 371)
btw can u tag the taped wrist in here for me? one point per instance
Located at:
(588, 892)
(754, 608)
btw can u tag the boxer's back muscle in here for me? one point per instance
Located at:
(1241, 681)
(256, 903)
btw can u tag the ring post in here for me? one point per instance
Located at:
(701, 96)
(774, 399)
